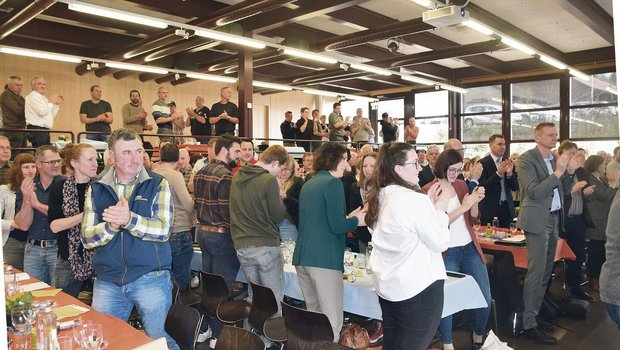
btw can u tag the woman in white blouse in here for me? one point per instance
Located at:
(409, 232)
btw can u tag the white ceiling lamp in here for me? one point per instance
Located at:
(116, 14)
(211, 77)
(271, 86)
(425, 3)
(418, 80)
(553, 62)
(359, 98)
(40, 54)
(309, 55)
(453, 88)
(479, 27)
(371, 69)
(518, 46)
(320, 92)
(136, 67)
(580, 75)
(230, 38)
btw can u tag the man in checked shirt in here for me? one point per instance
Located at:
(212, 191)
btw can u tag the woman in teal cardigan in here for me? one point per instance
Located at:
(323, 225)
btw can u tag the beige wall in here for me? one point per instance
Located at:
(62, 79)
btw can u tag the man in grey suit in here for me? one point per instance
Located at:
(541, 179)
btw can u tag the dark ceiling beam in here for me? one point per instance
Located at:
(459, 51)
(144, 77)
(591, 56)
(123, 74)
(361, 16)
(592, 15)
(185, 9)
(66, 48)
(20, 17)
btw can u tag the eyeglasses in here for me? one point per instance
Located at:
(53, 162)
(455, 171)
(5, 148)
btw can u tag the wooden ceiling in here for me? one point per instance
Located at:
(576, 32)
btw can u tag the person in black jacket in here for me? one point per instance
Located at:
(288, 129)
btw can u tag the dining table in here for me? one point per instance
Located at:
(118, 333)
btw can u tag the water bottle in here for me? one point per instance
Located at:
(368, 253)
(495, 226)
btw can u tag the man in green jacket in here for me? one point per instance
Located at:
(256, 210)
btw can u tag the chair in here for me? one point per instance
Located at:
(215, 301)
(234, 338)
(306, 329)
(183, 324)
(264, 307)
(175, 292)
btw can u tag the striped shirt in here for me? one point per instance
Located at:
(212, 194)
(153, 228)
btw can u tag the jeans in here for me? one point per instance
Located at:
(264, 266)
(13, 251)
(411, 324)
(38, 138)
(614, 312)
(40, 263)
(575, 234)
(467, 260)
(182, 253)
(63, 279)
(218, 256)
(288, 230)
(151, 294)
(97, 137)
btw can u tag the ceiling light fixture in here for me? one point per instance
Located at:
(116, 14)
(580, 75)
(418, 80)
(309, 55)
(320, 92)
(271, 86)
(40, 54)
(425, 3)
(211, 77)
(371, 69)
(359, 98)
(230, 38)
(479, 27)
(518, 46)
(136, 67)
(453, 88)
(553, 62)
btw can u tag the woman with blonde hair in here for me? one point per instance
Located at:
(290, 186)
(358, 194)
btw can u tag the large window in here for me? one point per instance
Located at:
(594, 107)
(431, 113)
(531, 103)
(481, 113)
(395, 109)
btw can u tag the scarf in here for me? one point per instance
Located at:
(80, 259)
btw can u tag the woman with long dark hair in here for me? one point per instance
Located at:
(409, 232)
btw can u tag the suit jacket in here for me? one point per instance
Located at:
(536, 190)
(426, 175)
(493, 188)
(12, 109)
(598, 205)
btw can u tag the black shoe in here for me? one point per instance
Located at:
(582, 295)
(476, 346)
(539, 336)
(545, 326)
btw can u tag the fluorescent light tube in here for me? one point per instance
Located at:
(426, 3)
(553, 62)
(517, 45)
(271, 86)
(453, 88)
(359, 98)
(136, 67)
(116, 14)
(40, 54)
(371, 69)
(321, 93)
(479, 27)
(579, 75)
(230, 38)
(211, 77)
(309, 56)
(418, 80)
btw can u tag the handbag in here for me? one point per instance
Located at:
(354, 337)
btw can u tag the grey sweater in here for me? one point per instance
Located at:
(610, 273)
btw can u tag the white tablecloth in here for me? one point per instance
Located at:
(360, 298)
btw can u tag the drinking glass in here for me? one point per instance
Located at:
(11, 286)
(78, 329)
(18, 341)
(93, 337)
(513, 228)
(65, 343)
(21, 319)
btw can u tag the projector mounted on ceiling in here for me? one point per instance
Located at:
(445, 16)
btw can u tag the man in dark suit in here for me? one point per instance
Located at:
(498, 179)
(541, 177)
(426, 175)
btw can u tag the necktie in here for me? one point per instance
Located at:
(502, 196)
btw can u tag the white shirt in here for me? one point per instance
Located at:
(459, 234)
(408, 239)
(39, 110)
(7, 210)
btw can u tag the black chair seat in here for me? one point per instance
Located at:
(233, 338)
(334, 346)
(233, 311)
(275, 330)
(190, 297)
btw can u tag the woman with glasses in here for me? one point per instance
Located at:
(66, 207)
(406, 260)
(323, 225)
(358, 194)
(464, 253)
(14, 239)
(290, 186)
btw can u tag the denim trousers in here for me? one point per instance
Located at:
(40, 263)
(39, 138)
(63, 279)
(411, 324)
(97, 137)
(288, 230)
(220, 257)
(614, 312)
(467, 260)
(182, 253)
(13, 251)
(264, 266)
(151, 294)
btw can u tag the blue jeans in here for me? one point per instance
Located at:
(614, 312)
(97, 137)
(63, 279)
(40, 263)
(288, 230)
(151, 294)
(38, 138)
(467, 260)
(264, 266)
(13, 251)
(218, 256)
(182, 253)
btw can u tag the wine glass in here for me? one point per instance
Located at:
(11, 286)
(513, 228)
(92, 337)
(21, 319)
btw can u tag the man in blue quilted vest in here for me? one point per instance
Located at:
(127, 217)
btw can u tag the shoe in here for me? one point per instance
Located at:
(194, 282)
(581, 295)
(545, 326)
(212, 343)
(476, 346)
(202, 337)
(539, 336)
(376, 335)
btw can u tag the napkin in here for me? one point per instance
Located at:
(33, 286)
(69, 311)
(22, 276)
(46, 293)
